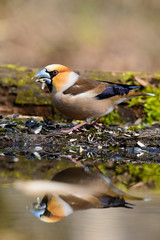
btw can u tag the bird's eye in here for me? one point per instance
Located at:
(54, 73)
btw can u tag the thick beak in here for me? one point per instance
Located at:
(42, 74)
(43, 77)
(38, 212)
(38, 209)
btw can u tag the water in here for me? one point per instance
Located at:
(17, 222)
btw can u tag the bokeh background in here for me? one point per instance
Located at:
(106, 35)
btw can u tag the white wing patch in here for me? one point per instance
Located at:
(67, 208)
(73, 77)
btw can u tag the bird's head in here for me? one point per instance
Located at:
(57, 77)
(51, 209)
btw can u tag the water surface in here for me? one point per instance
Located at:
(140, 222)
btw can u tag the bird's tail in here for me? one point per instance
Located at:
(132, 95)
(137, 94)
(132, 198)
(119, 201)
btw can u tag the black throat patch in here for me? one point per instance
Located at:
(50, 86)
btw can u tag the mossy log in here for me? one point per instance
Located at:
(20, 94)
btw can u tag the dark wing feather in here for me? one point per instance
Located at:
(116, 89)
(105, 89)
(108, 201)
(82, 85)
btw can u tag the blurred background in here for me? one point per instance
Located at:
(106, 35)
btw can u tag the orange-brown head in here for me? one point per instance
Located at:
(57, 77)
(52, 208)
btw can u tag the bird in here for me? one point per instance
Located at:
(83, 98)
(73, 189)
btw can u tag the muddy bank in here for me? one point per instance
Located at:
(32, 148)
(24, 135)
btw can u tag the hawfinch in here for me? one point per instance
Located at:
(76, 189)
(82, 98)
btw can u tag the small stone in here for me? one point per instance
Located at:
(15, 115)
(138, 121)
(99, 146)
(73, 140)
(135, 134)
(140, 144)
(37, 155)
(38, 129)
(31, 123)
(140, 154)
(38, 148)
(15, 159)
(127, 135)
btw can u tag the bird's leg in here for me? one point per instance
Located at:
(95, 122)
(73, 160)
(97, 168)
(75, 128)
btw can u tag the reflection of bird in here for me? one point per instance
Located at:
(77, 189)
(83, 98)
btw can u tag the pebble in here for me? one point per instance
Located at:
(127, 135)
(135, 134)
(15, 115)
(140, 144)
(15, 159)
(38, 129)
(38, 148)
(31, 123)
(37, 155)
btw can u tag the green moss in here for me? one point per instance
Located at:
(127, 76)
(18, 82)
(145, 173)
(114, 76)
(134, 128)
(31, 96)
(112, 118)
(130, 174)
(15, 75)
(156, 75)
(28, 92)
(151, 104)
(97, 75)
(17, 120)
(2, 131)
(136, 101)
(13, 67)
(8, 80)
